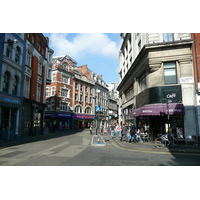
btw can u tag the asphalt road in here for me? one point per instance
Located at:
(76, 150)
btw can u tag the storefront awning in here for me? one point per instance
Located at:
(159, 109)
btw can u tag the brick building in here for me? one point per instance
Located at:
(37, 74)
(59, 93)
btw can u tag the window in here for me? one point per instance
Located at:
(28, 59)
(168, 37)
(48, 91)
(88, 110)
(65, 66)
(76, 97)
(64, 105)
(26, 86)
(64, 92)
(86, 98)
(40, 69)
(6, 81)
(78, 109)
(15, 85)
(76, 86)
(17, 55)
(9, 49)
(38, 92)
(54, 77)
(65, 80)
(53, 92)
(142, 82)
(170, 73)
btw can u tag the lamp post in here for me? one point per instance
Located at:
(98, 109)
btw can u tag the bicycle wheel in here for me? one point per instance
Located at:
(160, 143)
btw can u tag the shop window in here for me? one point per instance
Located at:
(170, 73)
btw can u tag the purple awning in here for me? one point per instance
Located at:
(159, 109)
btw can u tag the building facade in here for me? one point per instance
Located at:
(196, 62)
(12, 59)
(156, 86)
(100, 105)
(113, 103)
(59, 94)
(36, 75)
(83, 100)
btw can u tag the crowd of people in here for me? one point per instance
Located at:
(131, 134)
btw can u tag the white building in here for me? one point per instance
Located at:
(156, 81)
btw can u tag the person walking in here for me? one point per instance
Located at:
(112, 130)
(118, 131)
(124, 132)
(91, 129)
(132, 132)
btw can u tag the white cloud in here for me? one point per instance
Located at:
(83, 44)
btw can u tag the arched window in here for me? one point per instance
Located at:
(78, 109)
(88, 110)
(9, 49)
(15, 85)
(6, 81)
(17, 55)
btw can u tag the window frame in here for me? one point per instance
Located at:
(167, 70)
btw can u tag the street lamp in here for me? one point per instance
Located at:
(98, 109)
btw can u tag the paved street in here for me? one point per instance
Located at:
(76, 150)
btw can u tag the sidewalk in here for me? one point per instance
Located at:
(150, 146)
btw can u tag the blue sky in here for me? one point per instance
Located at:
(99, 51)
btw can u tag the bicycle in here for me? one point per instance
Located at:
(162, 141)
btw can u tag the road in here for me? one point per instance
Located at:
(76, 150)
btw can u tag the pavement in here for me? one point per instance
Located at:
(151, 147)
(100, 141)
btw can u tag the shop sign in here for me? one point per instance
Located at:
(78, 116)
(187, 80)
(10, 100)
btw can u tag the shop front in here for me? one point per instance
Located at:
(58, 121)
(161, 118)
(10, 114)
(82, 121)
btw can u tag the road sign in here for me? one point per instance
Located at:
(98, 108)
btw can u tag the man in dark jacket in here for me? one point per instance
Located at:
(132, 132)
(124, 132)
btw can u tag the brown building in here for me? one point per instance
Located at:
(69, 97)
(36, 76)
(59, 111)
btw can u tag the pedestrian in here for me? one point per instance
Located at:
(124, 132)
(112, 130)
(132, 132)
(118, 131)
(91, 129)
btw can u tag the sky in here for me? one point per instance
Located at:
(99, 51)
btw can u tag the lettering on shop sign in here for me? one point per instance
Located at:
(170, 97)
